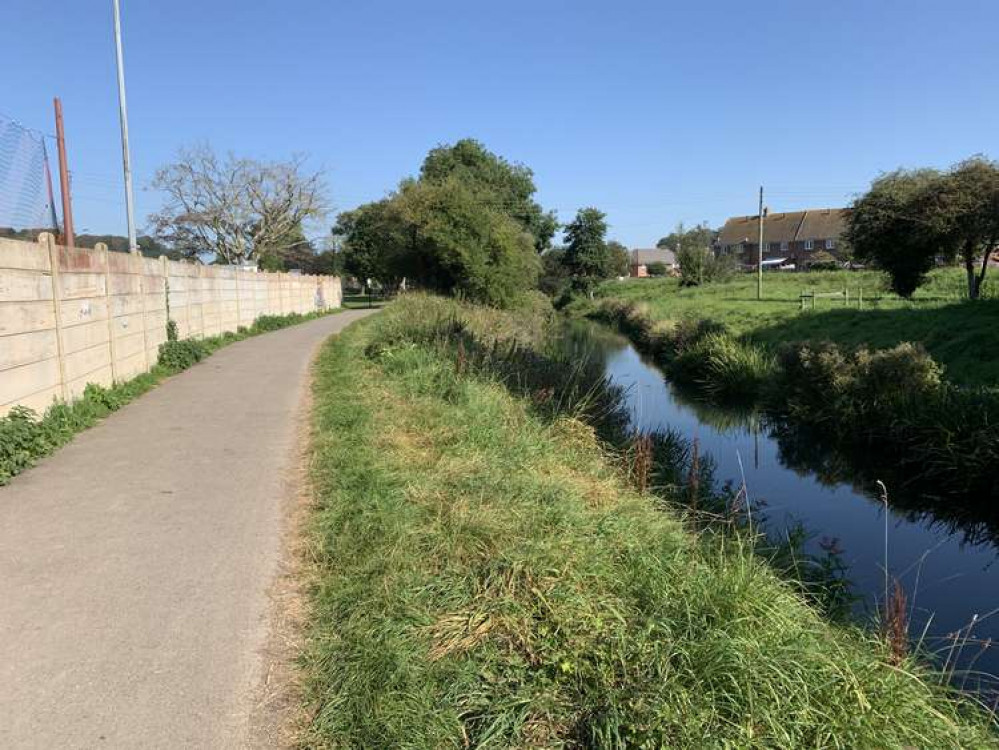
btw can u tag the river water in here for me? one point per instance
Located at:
(946, 560)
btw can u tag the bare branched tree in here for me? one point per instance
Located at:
(236, 208)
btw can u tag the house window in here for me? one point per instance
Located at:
(809, 244)
(830, 244)
(783, 246)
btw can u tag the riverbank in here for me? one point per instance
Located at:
(488, 574)
(958, 334)
(894, 404)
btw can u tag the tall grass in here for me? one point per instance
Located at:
(486, 577)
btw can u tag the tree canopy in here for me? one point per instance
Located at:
(909, 218)
(506, 187)
(586, 253)
(457, 228)
(618, 259)
(699, 236)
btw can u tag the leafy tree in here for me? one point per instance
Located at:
(885, 228)
(586, 253)
(963, 213)
(374, 239)
(618, 259)
(909, 218)
(235, 208)
(555, 278)
(505, 187)
(466, 226)
(698, 236)
(700, 265)
(461, 245)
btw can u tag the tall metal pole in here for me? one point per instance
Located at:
(759, 262)
(123, 115)
(69, 238)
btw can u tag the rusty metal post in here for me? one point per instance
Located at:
(69, 239)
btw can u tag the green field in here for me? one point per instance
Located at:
(485, 574)
(961, 335)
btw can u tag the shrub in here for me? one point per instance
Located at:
(21, 440)
(179, 355)
(266, 323)
(657, 269)
(824, 383)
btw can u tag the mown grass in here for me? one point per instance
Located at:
(959, 334)
(26, 437)
(486, 576)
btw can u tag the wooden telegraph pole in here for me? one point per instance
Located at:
(759, 253)
(68, 237)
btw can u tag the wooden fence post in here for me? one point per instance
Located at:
(101, 248)
(46, 239)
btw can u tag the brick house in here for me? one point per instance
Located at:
(796, 236)
(641, 259)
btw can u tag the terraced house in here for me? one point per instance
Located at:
(798, 238)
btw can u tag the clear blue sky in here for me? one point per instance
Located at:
(652, 111)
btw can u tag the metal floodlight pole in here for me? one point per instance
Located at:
(123, 115)
(759, 249)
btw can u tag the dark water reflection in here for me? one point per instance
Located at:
(942, 549)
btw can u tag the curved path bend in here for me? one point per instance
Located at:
(135, 563)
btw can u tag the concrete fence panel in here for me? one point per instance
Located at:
(69, 317)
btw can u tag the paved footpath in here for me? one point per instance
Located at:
(135, 562)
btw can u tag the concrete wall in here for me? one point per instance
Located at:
(69, 317)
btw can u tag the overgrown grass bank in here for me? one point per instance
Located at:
(960, 335)
(892, 402)
(486, 575)
(26, 437)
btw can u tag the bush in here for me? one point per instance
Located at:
(657, 269)
(823, 383)
(179, 355)
(266, 323)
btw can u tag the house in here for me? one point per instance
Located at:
(641, 259)
(796, 236)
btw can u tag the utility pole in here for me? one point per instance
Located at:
(759, 249)
(69, 238)
(126, 162)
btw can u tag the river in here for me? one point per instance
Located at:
(946, 560)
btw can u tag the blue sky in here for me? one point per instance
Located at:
(655, 112)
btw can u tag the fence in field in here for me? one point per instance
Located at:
(808, 298)
(69, 317)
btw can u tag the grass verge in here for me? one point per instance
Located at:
(486, 576)
(959, 334)
(26, 437)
